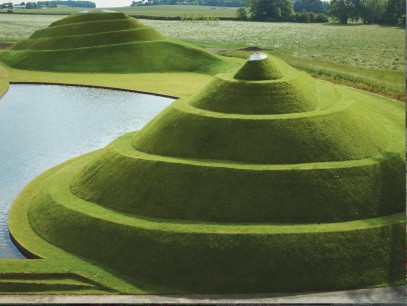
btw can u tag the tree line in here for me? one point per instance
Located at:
(223, 3)
(392, 12)
(51, 4)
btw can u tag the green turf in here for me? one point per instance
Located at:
(347, 55)
(204, 258)
(109, 42)
(3, 80)
(148, 11)
(208, 200)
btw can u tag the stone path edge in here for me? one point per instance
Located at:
(388, 295)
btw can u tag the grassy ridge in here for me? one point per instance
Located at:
(346, 191)
(3, 80)
(87, 28)
(202, 261)
(355, 58)
(293, 93)
(168, 84)
(79, 18)
(151, 11)
(56, 260)
(384, 82)
(89, 48)
(225, 257)
(90, 40)
(320, 136)
(138, 57)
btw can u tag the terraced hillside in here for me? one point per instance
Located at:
(264, 181)
(108, 42)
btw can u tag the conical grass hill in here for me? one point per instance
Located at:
(264, 181)
(108, 42)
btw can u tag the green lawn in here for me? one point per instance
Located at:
(368, 57)
(312, 185)
(82, 42)
(157, 11)
(311, 173)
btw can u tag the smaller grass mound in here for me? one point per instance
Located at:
(94, 16)
(259, 68)
(88, 28)
(109, 42)
(267, 86)
(89, 40)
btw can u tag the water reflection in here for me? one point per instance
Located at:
(43, 125)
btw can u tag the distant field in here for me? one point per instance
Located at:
(365, 46)
(369, 57)
(15, 27)
(159, 11)
(180, 10)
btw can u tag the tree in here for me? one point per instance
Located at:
(345, 9)
(8, 5)
(395, 12)
(373, 10)
(241, 13)
(31, 5)
(315, 6)
(270, 10)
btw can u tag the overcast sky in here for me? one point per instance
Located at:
(112, 3)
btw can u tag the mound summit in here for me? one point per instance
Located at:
(108, 42)
(264, 181)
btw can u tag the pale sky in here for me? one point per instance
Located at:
(112, 3)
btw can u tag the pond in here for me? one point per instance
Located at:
(44, 125)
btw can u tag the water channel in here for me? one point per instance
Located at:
(44, 125)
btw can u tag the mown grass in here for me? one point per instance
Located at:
(157, 11)
(169, 84)
(55, 260)
(158, 190)
(4, 83)
(136, 48)
(384, 82)
(366, 57)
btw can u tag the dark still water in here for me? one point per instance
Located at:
(44, 125)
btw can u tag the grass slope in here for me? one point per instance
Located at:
(354, 58)
(138, 57)
(148, 11)
(55, 262)
(3, 80)
(334, 221)
(109, 42)
(204, 258)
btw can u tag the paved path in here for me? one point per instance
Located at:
(389, 295)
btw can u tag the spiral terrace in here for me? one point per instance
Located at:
(108, 42)
(264, 181)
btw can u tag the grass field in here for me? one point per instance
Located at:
(368, 57)
(157, 11)
(312, 186)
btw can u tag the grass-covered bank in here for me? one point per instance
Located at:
(149, 11)
(312, 183)
(383, 82)
(312, 177)
(109, 42)
(171, 84)
(368, 57)
(55, 265)
(4, 83)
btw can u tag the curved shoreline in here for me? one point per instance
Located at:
(96, 86)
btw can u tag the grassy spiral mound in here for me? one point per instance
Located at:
(108, 42)
(253, 199)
